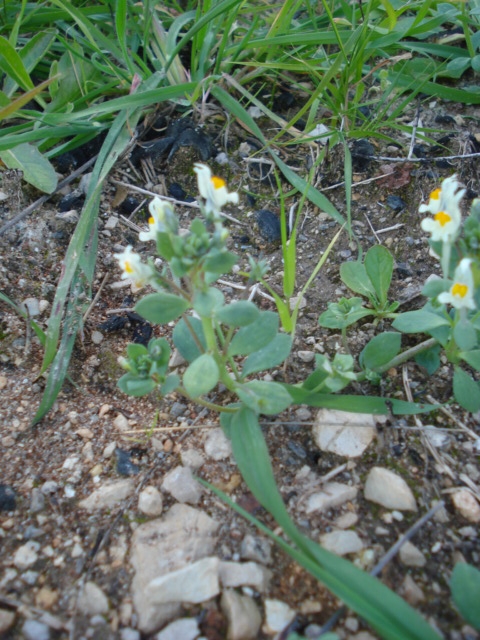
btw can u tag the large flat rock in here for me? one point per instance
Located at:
(180, 538)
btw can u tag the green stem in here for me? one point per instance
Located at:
(205, 403)
(212, 347)
(403, 357)
(445, 260)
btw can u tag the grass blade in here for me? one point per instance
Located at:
(11, 64)
(391, 616)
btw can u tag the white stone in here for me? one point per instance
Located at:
(70, 462)
(389, 490)
(466, 505)
(109, 450)
(26, 555)
(194, 583)
(297, 300)
(333, 494)
(306, 356)
(242, 615)
(256, 549)
(97, 337)
(183, 629)
(411, 556)
(35, 630)
(121, 423)
(49, 487)
(181, 484)
(77, 550)
(346, 520)
(7, 618)
(181, 536)
(341, 542)
(43, 306)
(277, 616)
(411, 591)
(346, 434)
(217, 445)
(351, 624)
(111, 223)
(176, 359)
(129, 634)
(150, 501)
(236, 574)
(108, 495)
(33, 306)
(439, 439)
(92, 600)
(192, 458)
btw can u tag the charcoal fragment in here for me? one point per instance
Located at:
(396, 203)
(7, 498)
(125, 466)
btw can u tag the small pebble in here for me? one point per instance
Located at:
(35, 630)
(121, 423)
(150, 501)
(466, 505)
(97, 337)
(178, 409)
(306, 356)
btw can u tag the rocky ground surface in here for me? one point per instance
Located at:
(105, 531)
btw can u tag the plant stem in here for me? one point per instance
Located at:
(205, 403)
(403, 357)
(212, 347)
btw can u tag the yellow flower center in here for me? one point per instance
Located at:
(459, 290)
(218, 183)
(442, 218)
(435, 195)
(128, 267)
(151, 220)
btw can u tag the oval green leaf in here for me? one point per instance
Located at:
(268, 398)
(380, 350)
(206, 302)
(466, 391)
(256, 335)
(355, 276)
(418, 321)
(238, 314)
(161, 307)
(134, 386)
(379, 267)
(465, 587)
(201, 376)
(270, 356)
(189, 339)
(37, 170)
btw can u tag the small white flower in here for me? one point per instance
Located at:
(133, 268)
(162, 218)
(444, 205)
(462, 291)
(213, 189)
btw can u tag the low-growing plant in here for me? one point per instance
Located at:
(451, 314)
(229, 343)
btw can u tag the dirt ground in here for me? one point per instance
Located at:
(84, 425)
